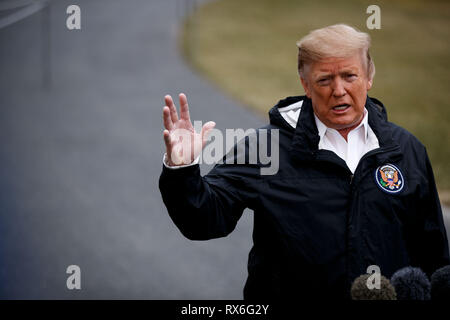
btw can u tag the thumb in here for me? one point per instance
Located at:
(206, 129)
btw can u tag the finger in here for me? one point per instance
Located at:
(206, 129)
(173, 109)
(167, 142)
(184, 108)
(169, 147)
(166, 118)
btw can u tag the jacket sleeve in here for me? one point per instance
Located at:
(207, 207)
(434, 250)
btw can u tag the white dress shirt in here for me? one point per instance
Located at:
(359, 140)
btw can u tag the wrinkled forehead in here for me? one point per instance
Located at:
(355, 62)
(337, 64)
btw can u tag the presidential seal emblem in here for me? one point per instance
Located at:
(389, 178)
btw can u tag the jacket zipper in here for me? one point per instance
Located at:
(371, 153)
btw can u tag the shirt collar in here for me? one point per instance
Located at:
(322, 128)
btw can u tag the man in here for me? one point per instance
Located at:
(352, 190)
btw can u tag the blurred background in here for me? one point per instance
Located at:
(81, 127)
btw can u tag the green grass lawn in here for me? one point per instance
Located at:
(247, 48)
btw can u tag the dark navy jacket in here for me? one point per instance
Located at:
(317, 226)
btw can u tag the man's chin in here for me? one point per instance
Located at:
(341, 123)
(345, 125)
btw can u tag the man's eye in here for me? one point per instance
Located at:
(351, 76)
(323, 81)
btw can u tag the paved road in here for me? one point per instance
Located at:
(81, 149)
(80, 159)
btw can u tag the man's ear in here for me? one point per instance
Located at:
(306, 87)
(369, 84)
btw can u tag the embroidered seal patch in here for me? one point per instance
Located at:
(389, 178)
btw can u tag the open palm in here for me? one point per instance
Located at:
(183, 144)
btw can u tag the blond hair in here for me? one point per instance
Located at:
(337, 41)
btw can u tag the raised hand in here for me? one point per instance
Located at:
(183, 144)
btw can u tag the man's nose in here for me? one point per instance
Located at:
(338, 87)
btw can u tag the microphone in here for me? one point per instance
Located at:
(360, 290)
(411, 284)
(440, 284)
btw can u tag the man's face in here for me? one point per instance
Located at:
(338, 90)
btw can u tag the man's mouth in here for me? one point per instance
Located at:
(341, 107)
